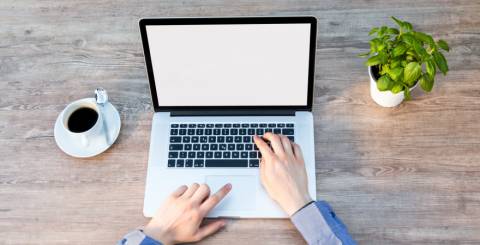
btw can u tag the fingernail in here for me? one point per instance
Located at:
(228, 186)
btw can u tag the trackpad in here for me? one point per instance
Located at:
(243, 193)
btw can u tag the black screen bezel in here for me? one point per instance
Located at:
(231, 20)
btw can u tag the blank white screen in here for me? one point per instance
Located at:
(230, 65)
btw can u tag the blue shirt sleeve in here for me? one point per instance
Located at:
(137, 237)
(335, 223)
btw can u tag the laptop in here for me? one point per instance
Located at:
(216, 82)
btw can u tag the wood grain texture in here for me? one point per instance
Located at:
(408, 175)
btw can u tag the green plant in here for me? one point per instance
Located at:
(404, 57)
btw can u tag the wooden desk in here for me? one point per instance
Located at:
(408, 175)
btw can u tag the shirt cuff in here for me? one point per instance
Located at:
(137, 237)
(313, 227)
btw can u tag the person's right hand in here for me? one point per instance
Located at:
(282, 172)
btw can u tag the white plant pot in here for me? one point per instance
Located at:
(385, 98)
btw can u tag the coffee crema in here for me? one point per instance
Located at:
(82, 119)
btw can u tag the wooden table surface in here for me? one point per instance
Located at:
(407, 175)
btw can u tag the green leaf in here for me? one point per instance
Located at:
(382, 31)
(392, 31)
(406, 92)
(396, 73)
(399, 22)
(443, 45)
(420, 50)
(374, 60)
(399, 50)
(407, 26)
(411, 73)
(424, 38)
(426, 83)
(375, 29)
(430, 67)
(441, 62)
(408, 39)
(397, 88)
(384, 83)
(395, 63)
(364, 55)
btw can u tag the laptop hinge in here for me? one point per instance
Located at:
(223, 113)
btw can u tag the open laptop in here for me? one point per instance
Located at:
(216, 82)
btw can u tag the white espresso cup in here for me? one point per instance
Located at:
(95, 131)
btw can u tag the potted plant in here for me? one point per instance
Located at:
(400, 59)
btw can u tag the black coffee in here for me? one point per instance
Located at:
(82, 120)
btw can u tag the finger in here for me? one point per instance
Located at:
(287, 145)
(214, 199)
(297, 151)
(191, 190)
(275, 142)
(262, 146)
(209, 229)
(179, 191)
(201, 194)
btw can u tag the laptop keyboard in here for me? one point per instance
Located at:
(200, 145)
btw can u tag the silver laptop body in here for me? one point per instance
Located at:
(215, 82)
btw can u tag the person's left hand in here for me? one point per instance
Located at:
(178, 220)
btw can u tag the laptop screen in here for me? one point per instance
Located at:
(230, 64)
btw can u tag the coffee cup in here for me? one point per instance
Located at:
(83, 121)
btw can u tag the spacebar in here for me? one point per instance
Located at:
(229, 163)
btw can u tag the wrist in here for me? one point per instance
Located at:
(158, 234)
(297, 204)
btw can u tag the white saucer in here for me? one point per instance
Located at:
(98, 144)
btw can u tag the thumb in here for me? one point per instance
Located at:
(209, 229)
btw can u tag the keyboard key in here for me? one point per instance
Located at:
(247, 139)
(242, 131)
(186, 139)
(236, 125)
(174, 125)
(248, 147)
(198, 163)
(260, 132)
(175, 147)
(221, 139)
(229, 139)
(253, 163)
(277, 131)
(216, 131)
(268, 130)
(218, 125)
(235, 154)
(203, 139)
(272, 125)
(183, 154)
(209, 154)
(234, 163)
(225, 131)
(173, 131)
(173, 154)
(191, 154)
(188, 147)
(281, 125)
(213, 147)
(251, 131)
(239, 147)
(218, 154)
(180, 163)
(287, 131)
(234, 131)
(254, 125)
(175, 139)
(253, 154)
(201, 125)
(211, 139)
(238, 139)
(210, 125)
(199, 131)
(200, 154)
(196, 147)
(192, 125)
(182, 132)
(244, 154)
(227, 125)
(194, 139)
(208, 131)
(188, 163)
(262, 125)
(290, 125)
(231, 147)
(205, 147)
(171, 163)
(183, 125)
(226, 154)
(245, 125)
(223, 147)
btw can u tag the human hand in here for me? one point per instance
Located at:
(282, 172)
(178, 220)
